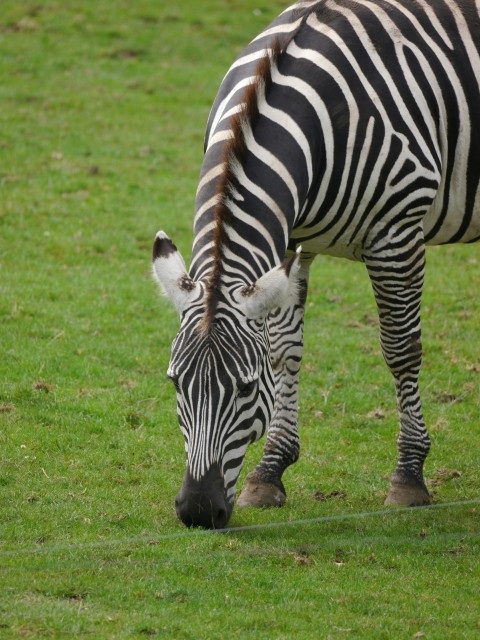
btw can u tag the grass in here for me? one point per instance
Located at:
(102, 119)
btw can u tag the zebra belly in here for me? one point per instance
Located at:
(447, 233)
(321, 246)
(456, 225)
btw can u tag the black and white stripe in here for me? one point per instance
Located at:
(350, 127)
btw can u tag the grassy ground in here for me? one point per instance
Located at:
(101, 127)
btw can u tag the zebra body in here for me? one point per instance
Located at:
(348, 128)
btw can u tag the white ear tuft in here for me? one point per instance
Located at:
(277, 287)
(170, 272)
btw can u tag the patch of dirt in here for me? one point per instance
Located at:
(128, 384)
(377, 414)
(320, 496)
(449, 398)
(457, 551)
(444, 475)
(127, 54)
(473, 367)
(41, 385)
(302, 560)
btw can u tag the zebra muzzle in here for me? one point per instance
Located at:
(202, 503)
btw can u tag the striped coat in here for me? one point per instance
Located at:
(349, 128)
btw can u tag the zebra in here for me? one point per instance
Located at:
(346, 128)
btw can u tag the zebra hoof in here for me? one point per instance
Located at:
(261, 494)
(407, 491)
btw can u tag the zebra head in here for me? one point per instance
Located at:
(221, 368)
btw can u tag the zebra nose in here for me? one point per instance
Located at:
(201, 503)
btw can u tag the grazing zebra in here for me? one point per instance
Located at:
(349, 128)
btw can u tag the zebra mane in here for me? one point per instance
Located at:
(235, 152)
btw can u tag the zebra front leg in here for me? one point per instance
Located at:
(397, 282)
(263, 486)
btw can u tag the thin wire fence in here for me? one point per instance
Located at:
(156, 539)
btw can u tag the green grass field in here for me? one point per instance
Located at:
(103, 108)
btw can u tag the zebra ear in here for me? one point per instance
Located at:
(277, 287)
(171, 274)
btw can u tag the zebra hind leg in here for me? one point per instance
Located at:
(397, 280)
(263, 486)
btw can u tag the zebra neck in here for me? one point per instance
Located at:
(241, 232)
(246, 208)
(256, 175)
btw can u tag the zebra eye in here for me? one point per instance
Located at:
(246, 388)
